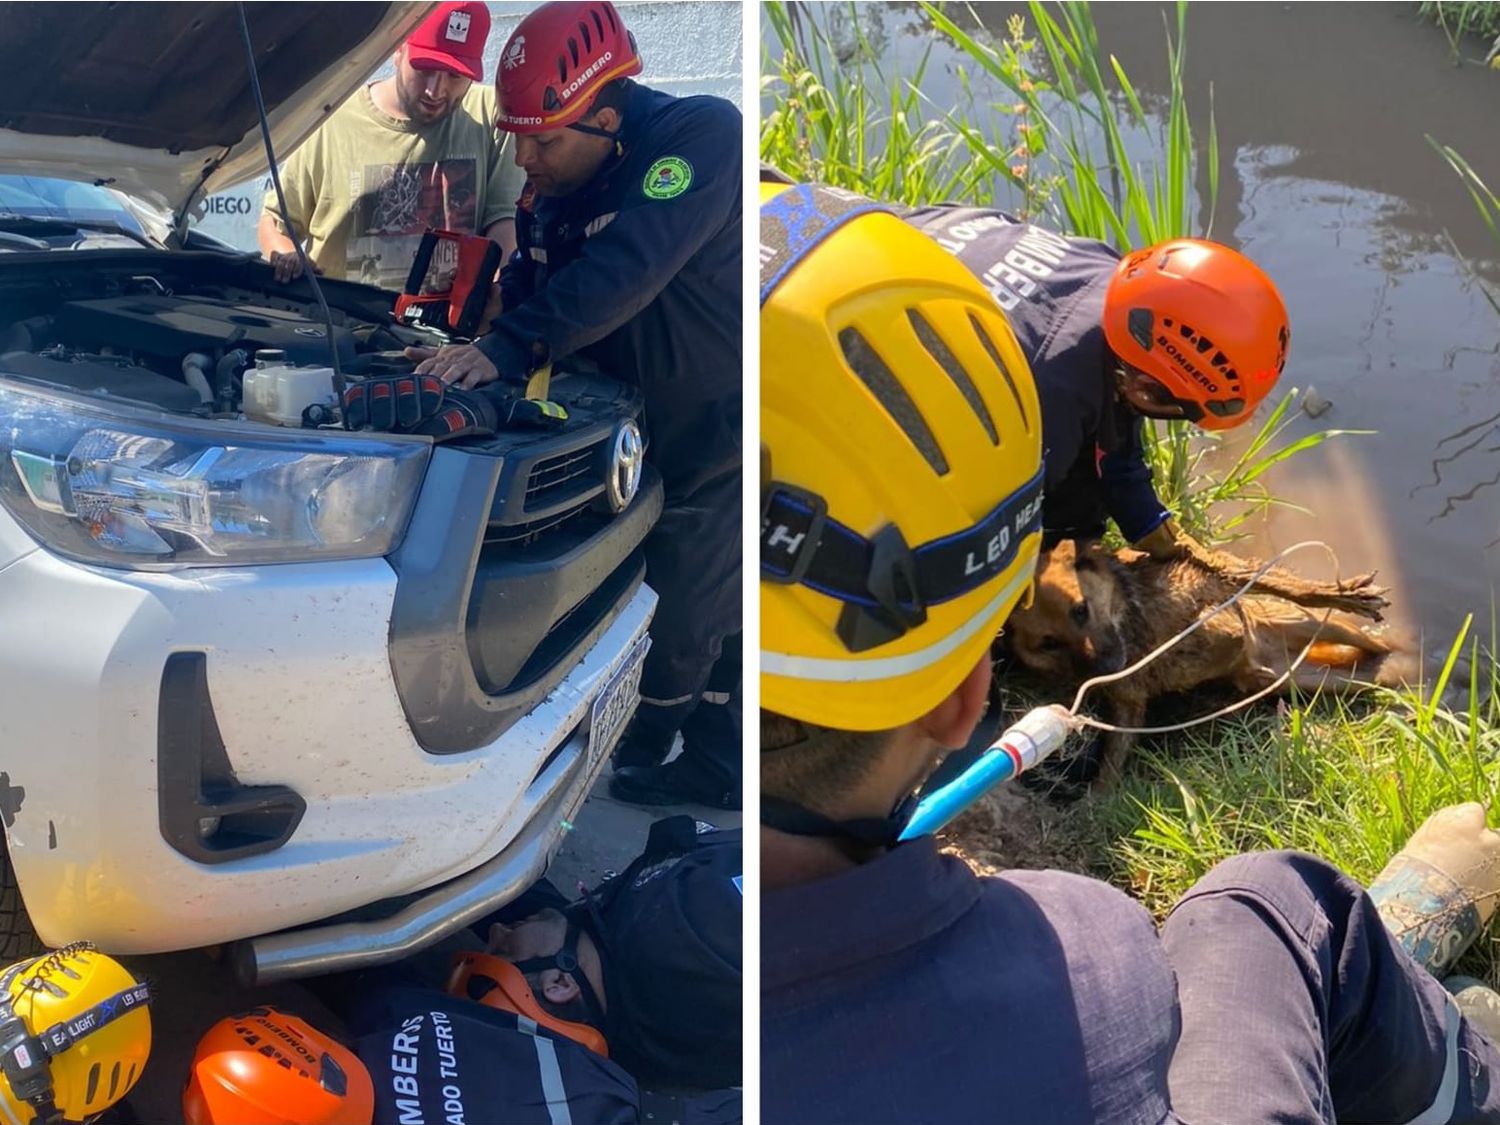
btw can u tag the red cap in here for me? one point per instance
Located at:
(452, 38)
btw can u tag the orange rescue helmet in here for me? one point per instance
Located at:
(267, 1067)
(1201, 330)
(498, 983)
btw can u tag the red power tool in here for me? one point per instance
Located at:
(449, 283)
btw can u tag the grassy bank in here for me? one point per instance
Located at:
(1348, 780)
(1046, 129)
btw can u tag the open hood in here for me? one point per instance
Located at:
(154, 98)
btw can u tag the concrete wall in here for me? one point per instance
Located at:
(688, 47)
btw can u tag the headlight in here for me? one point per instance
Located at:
(159, 494)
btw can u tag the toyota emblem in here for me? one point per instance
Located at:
(625, 462)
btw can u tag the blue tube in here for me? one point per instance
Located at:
(942, 805)
(1038, 733)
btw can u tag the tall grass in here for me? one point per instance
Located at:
(1479, 18)
(1485, 202)
(1061, 149)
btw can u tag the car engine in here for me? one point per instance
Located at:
(205, 335)
(189, 352)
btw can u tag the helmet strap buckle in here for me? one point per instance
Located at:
(892, 582)
(565, 960)
(24, 1061)
(792, 520)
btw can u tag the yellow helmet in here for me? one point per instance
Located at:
(74, 1032)
(900, 463)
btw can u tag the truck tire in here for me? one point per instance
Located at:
(17, 939)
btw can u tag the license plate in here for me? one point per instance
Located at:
(615, 703)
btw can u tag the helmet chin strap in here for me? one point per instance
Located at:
(565, 960)
(595, 131)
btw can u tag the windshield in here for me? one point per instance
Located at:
(64, 201)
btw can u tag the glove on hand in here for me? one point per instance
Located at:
(392, 403)
(463, 414)
(538, 412)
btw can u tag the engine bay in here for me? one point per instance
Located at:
(187, 338)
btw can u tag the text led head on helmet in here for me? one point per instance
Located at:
(498, 983)
(901, 465)
(75, 1035)
(267, 1067)
(557, 60)
(1205, 326)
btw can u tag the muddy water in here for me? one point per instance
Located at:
(1328, 182)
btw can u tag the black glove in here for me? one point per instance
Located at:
(463, 414)
(392, 403)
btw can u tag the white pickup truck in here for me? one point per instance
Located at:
(326, 696)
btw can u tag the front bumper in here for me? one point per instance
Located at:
(297, 661)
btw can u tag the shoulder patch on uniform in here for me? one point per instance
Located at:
(668, 178)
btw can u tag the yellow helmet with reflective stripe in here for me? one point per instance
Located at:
(76, 1033)
(900, 464)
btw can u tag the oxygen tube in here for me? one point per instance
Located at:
(1042, 731)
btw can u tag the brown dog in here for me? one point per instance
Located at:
(1097, 611)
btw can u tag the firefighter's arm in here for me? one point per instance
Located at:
(695, 192)
(1130, 496)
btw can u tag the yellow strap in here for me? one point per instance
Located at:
(540, 382)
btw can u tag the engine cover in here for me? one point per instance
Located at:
(174, 326)
(95, 377)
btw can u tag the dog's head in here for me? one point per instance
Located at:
(1071, 630)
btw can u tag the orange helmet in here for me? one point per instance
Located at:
(270, 1068)
(497, 983)
(1201, 330)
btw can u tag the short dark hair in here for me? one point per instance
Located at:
(814, 766)
(615, 95)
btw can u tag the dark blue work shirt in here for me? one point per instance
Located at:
(1052, 291)
(639, 271)
(909, 990)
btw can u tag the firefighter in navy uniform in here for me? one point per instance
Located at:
(629, 253)
(1183, 329)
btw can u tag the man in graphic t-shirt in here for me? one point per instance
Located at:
(412, 151)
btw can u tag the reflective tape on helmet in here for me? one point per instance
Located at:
(889, 667)
(797, 220)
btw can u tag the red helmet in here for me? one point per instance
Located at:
(497, 983)
(270, 1068)
(557, 60)
(1202, 329)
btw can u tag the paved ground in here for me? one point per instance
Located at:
(194, 990)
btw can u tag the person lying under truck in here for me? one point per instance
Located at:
(638, 981)
(415, 150)
(899, 986)
(629, 255)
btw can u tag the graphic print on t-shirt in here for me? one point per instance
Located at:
(397, 204)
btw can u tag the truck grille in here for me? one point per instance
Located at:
(517, 535)
(554, 478)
